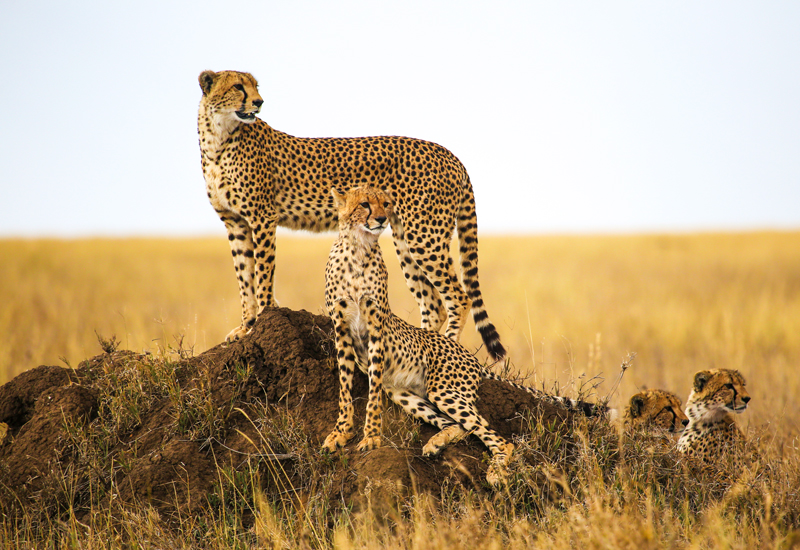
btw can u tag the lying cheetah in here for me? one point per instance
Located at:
(258, 178)
(656, 409)
(430, 376)
(712, 435)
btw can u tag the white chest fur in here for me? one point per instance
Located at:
(214, 131)
(216, 187)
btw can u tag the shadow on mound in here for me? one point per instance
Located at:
(246, 418)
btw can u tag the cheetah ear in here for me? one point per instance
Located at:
(207, 79)
(338, 198)
(701, 379)
(637, 402)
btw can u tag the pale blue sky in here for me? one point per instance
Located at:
(569, 116)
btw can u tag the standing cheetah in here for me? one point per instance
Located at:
(430, 376)
(712, 436)
(656, 409)
(258, 178)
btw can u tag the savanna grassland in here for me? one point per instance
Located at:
(570, 309)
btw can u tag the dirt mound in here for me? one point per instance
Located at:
(130, 428)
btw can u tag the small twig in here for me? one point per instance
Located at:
(626, 363)
(270, 456)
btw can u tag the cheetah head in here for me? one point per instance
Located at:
(230, 94)
(364, 210)
(657, 409)
(716, 393)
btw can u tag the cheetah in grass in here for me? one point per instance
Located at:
(712, 437)
(656, 410)
(429, 375)
(258, 178)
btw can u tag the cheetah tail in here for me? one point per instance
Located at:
(467, 225)
(586, 408)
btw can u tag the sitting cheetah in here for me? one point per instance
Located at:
(431, 376)
(258, 178)
(712, 434)
(656, 409)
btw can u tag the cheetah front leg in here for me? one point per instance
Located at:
(241, 241)
(264, 241)
(372, 424)
(346, 360)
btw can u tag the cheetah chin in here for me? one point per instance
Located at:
(376, 231)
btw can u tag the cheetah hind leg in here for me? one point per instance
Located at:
(421, 408)
(441, 274)
(451, 434)
(432, 311)
(463, 409)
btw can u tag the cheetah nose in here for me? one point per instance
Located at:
(258, 103)
(746, 399)
(380, 219)
(685, 421)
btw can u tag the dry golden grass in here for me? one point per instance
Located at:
(565, 306)
(57, 293)
(568, 308)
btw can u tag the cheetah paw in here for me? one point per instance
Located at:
(335, 440)
(498, 469)
(439, 441)
(369, 443)
(497, 475)
(235, 334)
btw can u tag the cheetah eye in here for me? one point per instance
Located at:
(365, 204)
(729, 386)
(386, 204)
(238, 87)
